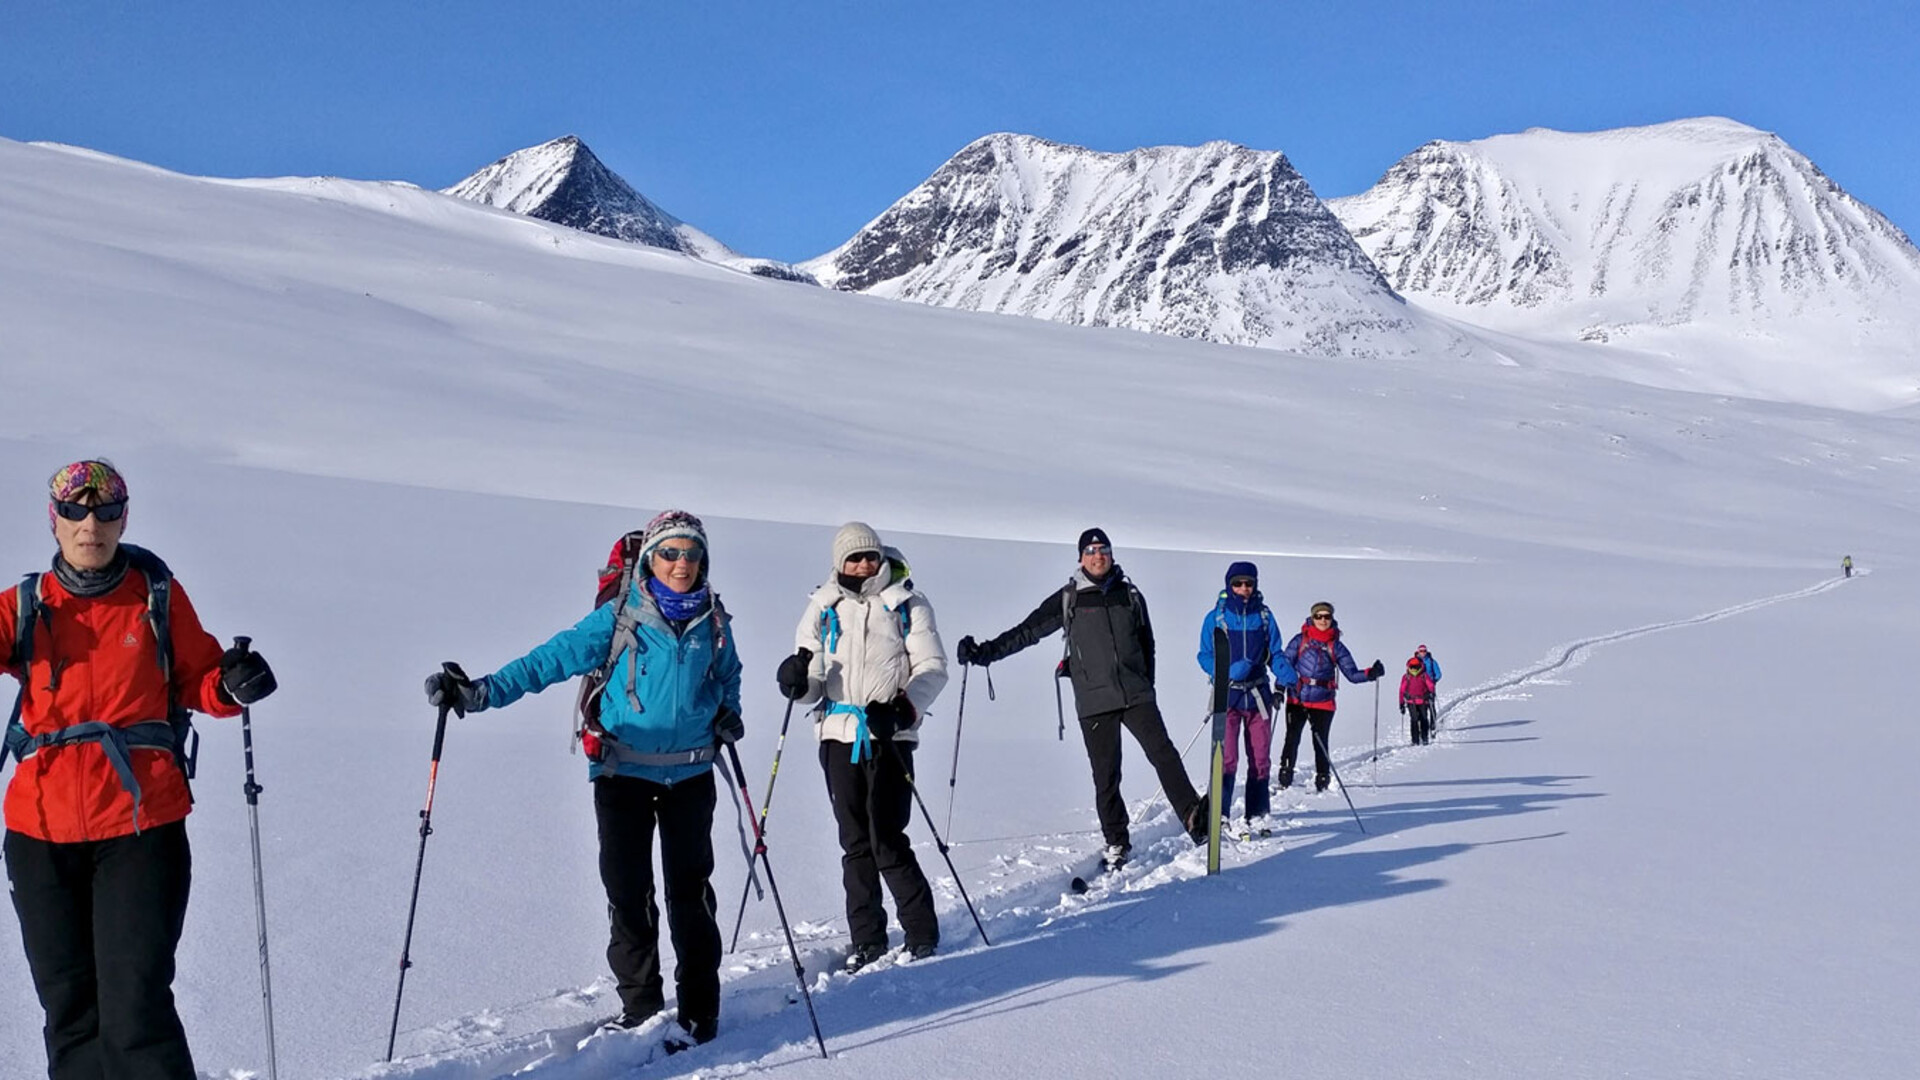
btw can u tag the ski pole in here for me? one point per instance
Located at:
(1375, 777)
(959, 717)
(766, 807)
(760, 849)
(252, 791)
(886, 747)
(426, 830)
(752, 885)
(1322, 743)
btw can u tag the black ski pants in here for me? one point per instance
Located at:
(1420, 717)
(629, 810)
(1298, 718)
(1102, 734)
(100, 920)
(873, 804)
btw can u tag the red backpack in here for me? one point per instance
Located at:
(616, 580)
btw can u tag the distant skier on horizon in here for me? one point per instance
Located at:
(1846, 565)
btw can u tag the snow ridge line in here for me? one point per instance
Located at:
(1572, 653)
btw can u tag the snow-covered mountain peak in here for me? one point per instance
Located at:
(1216, 241)
(1649, 236)
(563, 182)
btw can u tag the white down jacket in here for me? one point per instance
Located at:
(860, 653)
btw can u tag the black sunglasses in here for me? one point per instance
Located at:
(692, 554)
(1240, 581)
(863, 557)
(73, 511)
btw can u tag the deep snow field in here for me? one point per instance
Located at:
(375, 428)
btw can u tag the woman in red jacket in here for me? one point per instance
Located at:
(110, 657)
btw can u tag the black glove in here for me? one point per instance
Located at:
(449, 688)
(1403, 708)
(1378, 669)
(885, 719)
(792, 675)
(244, 675)
(970, 651)
(727, 726)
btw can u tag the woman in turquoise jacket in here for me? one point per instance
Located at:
(671, 697)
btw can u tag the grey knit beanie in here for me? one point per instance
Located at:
(854, 537)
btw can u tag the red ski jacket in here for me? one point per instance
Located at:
(95, 658)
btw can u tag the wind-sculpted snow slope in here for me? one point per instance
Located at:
(470, 349)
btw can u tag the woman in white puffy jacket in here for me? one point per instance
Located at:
(869, 655)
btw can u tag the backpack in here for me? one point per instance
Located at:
(1266, 627)
(180, 737)
(1333, 661)
(1070, 596)
(616, 580)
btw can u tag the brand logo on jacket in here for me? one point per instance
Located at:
(129, 641)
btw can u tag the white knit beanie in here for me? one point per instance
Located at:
(853, 537)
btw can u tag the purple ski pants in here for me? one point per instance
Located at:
(1259, 731)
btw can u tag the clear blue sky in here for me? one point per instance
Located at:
(783, 127)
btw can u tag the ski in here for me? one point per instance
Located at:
(1216, 785)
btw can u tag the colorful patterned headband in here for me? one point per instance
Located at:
(82, 476)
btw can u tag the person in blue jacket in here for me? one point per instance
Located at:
(672, 695)
(1431, 665)
(1255, 642)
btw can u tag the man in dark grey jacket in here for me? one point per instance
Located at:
(1110, 660)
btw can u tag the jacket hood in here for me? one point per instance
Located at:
(1114, 576)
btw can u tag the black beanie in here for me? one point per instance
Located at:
(1095, 535)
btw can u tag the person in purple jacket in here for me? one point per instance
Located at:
(1316, 652)
(1255, 641)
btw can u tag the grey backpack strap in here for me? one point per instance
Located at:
(26, 609)
(186, 745)
(624, 639)
(1067, 596)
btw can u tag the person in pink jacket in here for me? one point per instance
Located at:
(1416, 700)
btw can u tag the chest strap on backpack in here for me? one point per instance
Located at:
(115, 741)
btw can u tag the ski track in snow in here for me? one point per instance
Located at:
(1025, 895)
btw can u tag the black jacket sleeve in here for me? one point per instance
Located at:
(1044, 620)
(1146, 631)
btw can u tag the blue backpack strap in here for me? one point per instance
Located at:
(117, 743)
(830, 626)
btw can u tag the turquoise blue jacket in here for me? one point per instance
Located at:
(682, 680)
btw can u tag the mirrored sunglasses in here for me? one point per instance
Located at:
(691, 554)
(73, 511)
(1097, 549)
